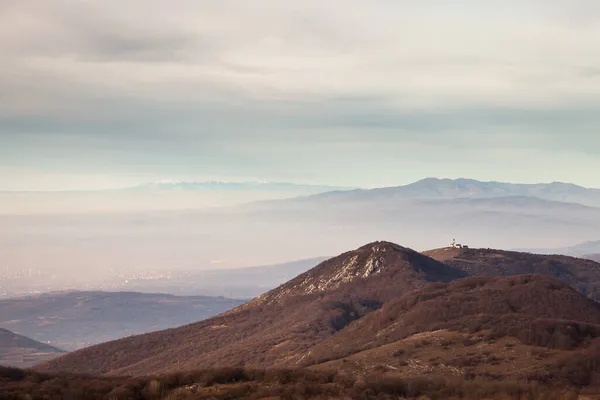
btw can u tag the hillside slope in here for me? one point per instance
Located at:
(383, 262)
(581, 274)
(20, 351)
(535, 309)
(376, 295)
(277, 328)
(491, 328)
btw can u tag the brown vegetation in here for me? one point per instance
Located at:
(535, 309)
(239, 383)
(376, 296)
(277, 328)
(581, 274)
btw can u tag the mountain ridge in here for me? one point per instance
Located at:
(268, 331)
(368, 260)
(462, 188)
(286, 324)
(581, 274)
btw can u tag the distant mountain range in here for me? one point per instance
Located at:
(372, 305)
(579, 250)
(435, 211)
(72, 320)
(436, 189)
(235, 186)
(20, 351)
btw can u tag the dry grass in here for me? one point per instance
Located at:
(581, 274)
(536, 310)
(276, 329)
(448, 354)
(331, 313)
(235, 383)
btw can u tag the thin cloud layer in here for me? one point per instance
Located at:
(237, 88)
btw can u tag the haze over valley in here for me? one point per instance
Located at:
(73, 320)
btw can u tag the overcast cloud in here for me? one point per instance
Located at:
(99, 93)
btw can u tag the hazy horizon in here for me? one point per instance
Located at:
(153, 185)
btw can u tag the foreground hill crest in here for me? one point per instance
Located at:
(374, 296)
(369, 261)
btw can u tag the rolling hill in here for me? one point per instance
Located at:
(366, 299)
(72, 320)
(23, 352)
(581, 274)
(278, 327)
(499, 306)
(383, 262)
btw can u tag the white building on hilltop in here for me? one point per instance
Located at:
(455, 245)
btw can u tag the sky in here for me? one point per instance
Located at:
(105, 93)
